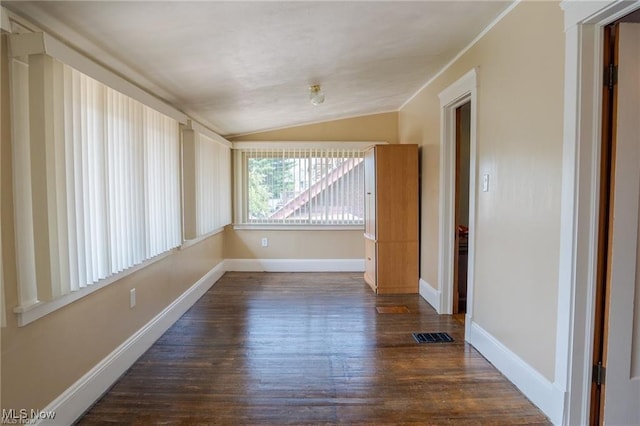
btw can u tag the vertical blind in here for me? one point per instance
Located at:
(25, 256)
(113, 179)
(319, 186)
(213, 181)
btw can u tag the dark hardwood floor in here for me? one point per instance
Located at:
(293, 348)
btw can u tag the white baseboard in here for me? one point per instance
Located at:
(543, 393)
(430, 294)
(295, 265)
(79, 397)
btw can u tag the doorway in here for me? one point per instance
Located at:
(461, 229)
(584, 24)
(616, 348)
(458, 103)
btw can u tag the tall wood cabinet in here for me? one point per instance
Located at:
(391, 218)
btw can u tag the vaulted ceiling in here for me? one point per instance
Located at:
(241, 67)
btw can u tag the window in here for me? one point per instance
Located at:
(300, 186)
(206, 178)
(213, 182)
(105, 194)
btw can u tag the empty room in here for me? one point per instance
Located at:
(320, 212)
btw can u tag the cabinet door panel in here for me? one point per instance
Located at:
(370, 263)
(397, 192)
(397, 267)
(370, 193)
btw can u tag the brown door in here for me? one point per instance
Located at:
(615, 395)
(460, 248)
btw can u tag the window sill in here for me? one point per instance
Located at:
(282, 227)
(196, 240)
(31, 313)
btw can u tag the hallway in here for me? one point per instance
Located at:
(312, 348)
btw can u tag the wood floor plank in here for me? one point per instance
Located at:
(312, 348)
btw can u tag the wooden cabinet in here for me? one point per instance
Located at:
(391, 218)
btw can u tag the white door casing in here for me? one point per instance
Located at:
(584, 22)
(462, 91)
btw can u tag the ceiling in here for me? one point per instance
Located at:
(241, 67)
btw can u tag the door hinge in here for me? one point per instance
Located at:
(610, 76)
(599, 374)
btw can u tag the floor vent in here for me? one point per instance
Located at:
(432, 337)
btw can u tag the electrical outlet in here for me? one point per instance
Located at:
(265, 242)
(132, 297)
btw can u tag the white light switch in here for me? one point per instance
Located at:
(485, 182)
(132, 297)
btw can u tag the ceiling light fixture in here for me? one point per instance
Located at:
(316, 95)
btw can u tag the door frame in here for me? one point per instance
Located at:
(584, 28)
(457, 94)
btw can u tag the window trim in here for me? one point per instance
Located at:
(191, 138)
(47, 302)
(37, 42)
(192, 242)
(295, 227)
(305, 144)
(42, 43)
(239, 169)
(28, 314)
